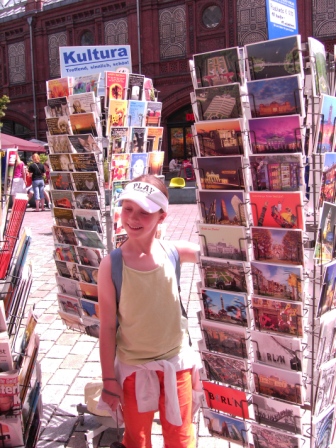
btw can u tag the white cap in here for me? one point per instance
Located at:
(148, 197)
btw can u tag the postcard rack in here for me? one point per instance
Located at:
(287, 372)
(20, 371)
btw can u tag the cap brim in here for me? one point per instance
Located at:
(143, 201)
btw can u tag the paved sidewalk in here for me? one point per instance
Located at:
(69, 359)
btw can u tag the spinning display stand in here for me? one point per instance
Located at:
(265, 168)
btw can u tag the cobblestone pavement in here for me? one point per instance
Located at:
(69, 359)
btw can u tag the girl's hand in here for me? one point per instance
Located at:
(112, 394)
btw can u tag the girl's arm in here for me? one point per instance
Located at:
(107, 335)
(188, 251)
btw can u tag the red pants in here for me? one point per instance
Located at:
(138, 425)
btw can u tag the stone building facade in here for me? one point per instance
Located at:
(163, 35)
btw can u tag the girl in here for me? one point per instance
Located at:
(147, 363)
(37, 170)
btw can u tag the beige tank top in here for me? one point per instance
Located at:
(151, 325)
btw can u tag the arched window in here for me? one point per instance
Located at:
(212, 16)
(87, 38)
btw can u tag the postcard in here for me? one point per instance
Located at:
(325, 390)
(59, 87)
(222, 207)
(277, 245)
(148, 90)
(117, 114)
(117, 189)
(87, 200)
(278, 414)
(278, 316)
(59, 125)
(325, 126)
(118, 240)
(219, 173)
(218, 102)
(118, 140)
(64, 235)
(67, 286)
(155, 162)
(91, 328)
(60, 162)
(274, 58)
(277, 351)
(85, 123)
(272, 209)
(219, 241)
(153, 113)
(323, 428)
(118, 228)
(84, 143)
(154, 138)
(225, 338)
(226, 399)
(138, 165)
(71, 321)
(67, 269)
(84, 162)
(271, 97)
(61, 181)
(62, 199)
(221, 274)
(90, 309)
(216, 68)
(219, 137)
(225, 427)
(138, 139)
(325, 241)
(327, 300)
(89, 256)
(88, 291)
(223, 306)
(64, 217)
(57, 107)
(136, 113)
(328, 181)
(69, 305)
(276, 134)
(88, 220)
(59, 144)
(120, 167)
(277, 172)
(264, 437)
(277, 281)
(278, 383)
(86, 181)
(65, 252)
(327, 339)
(225, 369)
(318, 65)
(88, 83)
(89, 238)
(135, 86)
(115, 86)
(88, 274)
(81, 103)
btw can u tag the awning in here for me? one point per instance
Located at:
(9, 141)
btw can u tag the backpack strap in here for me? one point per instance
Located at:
(116, 274)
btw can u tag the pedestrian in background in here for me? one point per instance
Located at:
(36, 169)
(19, 178)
